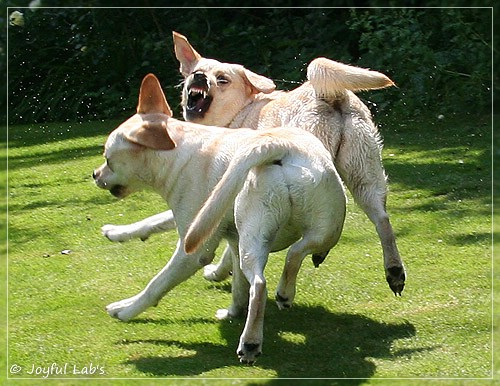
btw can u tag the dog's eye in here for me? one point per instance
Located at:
(222, 80)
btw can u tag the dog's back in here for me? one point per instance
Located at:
(281, 177)
(325, 105)
(295, 196)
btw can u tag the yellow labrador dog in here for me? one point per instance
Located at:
(230, 95)
(262, 191)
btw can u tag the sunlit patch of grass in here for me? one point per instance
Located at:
(346, 323)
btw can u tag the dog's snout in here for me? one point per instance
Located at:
(96, 174)
(199, 76)
(200, 80)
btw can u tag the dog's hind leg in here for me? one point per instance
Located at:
(239, 287)
(285, 293)
(394, 269)
(161, 222)
(252, 266)
(318, 258)
(360, 166)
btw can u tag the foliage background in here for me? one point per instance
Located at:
(79, 64)
(76, 65)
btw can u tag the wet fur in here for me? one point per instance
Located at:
(325, 105)
(262, 191)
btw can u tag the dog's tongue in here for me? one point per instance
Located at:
(195, 102)
(198, 98)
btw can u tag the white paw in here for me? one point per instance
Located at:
(231, 312)
(283, 302)
(222, 314)
(211, 273)
(116, 233)
(249, 351)
(122, 233)
(124, 309)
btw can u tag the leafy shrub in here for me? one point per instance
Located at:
(77, 64)
(441, 59)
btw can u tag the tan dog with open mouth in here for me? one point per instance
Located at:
(224, 94)
(262, 191)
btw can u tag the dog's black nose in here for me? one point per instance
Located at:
(93, 175)
(199, 76)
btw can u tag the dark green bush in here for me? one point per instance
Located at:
(79, 64)
(440, 59)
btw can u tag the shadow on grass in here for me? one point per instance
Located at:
(303, 342)
(39, 133)
(452, 157)
(451, 182)
(29, 160)
(95, 201)
(474, 238)
(452, 169)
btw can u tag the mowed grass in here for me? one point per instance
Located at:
(345, 323)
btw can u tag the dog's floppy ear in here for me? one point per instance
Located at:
(258, 82)
(185, 54)
(151, 97)
(153, 135)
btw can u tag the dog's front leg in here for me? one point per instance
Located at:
(180, 267)
(161, 222)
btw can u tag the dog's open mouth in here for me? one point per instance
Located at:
(198, 100)
(119, 191)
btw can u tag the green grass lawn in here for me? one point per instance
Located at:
(345, 323)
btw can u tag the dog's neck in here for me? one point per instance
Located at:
(249, 115)
(170, 179)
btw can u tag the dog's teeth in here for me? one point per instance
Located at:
(195, 92)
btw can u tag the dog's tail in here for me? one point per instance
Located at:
(331, 78)
(269, 149)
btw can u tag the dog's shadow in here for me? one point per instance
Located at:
(303, 342)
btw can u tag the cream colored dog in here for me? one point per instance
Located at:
(224, 94)
(262, 191)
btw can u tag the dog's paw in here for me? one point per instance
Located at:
(396, 277)
(117, 233)
(222, 314)
(318, 258)
(249, 351)
(227, 313)
(230, 313)
(283, 302)
(211, 273)
(124, 309)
